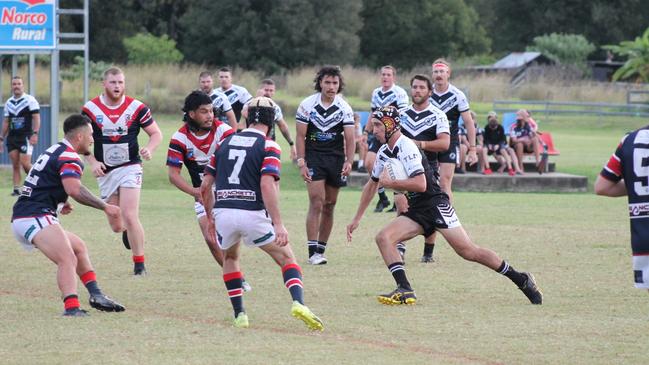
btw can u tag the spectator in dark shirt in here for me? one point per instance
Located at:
(495, 143)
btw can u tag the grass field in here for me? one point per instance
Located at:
(575, 244)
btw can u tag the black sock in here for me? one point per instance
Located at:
(138, 266)
(399, 275)
(292, 275)
(382, 195)
(428, 248)
(233, 283)
(312, 244)
(513, 275)
(322, 246)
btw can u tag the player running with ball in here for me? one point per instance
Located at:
(429, 211)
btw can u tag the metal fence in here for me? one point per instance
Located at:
(44, 134)
(567, 108)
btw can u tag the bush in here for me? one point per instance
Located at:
(74, 72)
(568, 49)
(147, 49)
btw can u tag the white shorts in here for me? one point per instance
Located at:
(129, 176)
(641, 271)
(254, 226)
(25, 229)
(199, 209)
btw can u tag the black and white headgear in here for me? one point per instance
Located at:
(261, 110)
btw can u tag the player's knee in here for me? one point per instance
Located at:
(316, 205)
(67, 259)
(381, 239)
(328, 207)
(130, 219)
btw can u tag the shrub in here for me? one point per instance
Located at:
(146, 49)
(568, 49)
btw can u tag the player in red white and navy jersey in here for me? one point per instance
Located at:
(429, 210)
(20, 127)
(627, 174)
(237, 95)
(325, 149)
(243, 173)
(192, 145)
(222, 107)
(116, 123)
(55, 176)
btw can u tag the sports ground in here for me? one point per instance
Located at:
(575, 244)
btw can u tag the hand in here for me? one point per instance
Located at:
(67, 208)
(471, 157)
(293, 153)
(98, 169)
(347, 168)
(33, 140)
(114, 214)
(385, 180)
(145, 153)
(281, 235)
(304, 171)
(351, 227)
(211, 232)
(197, 195)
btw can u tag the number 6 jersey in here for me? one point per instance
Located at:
(238, 165)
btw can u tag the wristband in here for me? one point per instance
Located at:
(291, 143)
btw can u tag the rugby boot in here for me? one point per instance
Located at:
(105, 304)
(241, 321)
(381, 204)
(318, 259)
(398, 296)
(427, 259)
(75, 312)
(303, 313)
(139, 271)
(393, 209)
(125, 241)
(531, 290)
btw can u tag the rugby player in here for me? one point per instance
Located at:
(246, 169)
(325, 151)
(429, 210)
(627, 174)
(237, 95)
(55, 176)
(387, 94)
(221, 104)
(117, 160)
(20, 129)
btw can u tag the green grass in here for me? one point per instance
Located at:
(577, 245)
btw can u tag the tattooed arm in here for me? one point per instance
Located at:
(80, 193)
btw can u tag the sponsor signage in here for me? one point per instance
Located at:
(27, 24)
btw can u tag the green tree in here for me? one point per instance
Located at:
(410, 33)
(144, 49)
(637, 53)
(568, 49)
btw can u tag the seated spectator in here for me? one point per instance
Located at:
(464, 145)
(361, 143)
(523, 138)
(495, 143)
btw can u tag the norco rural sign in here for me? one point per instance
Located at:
(27, 24)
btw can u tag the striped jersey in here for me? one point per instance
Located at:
(424, 125)
(238, 97)
(453, 102)
(238, 165)
(193, 151)
(43, 188)
(115, 130)
(396, 96)
(325, 125)
(630, 162)
(220, 103)
(19, 111)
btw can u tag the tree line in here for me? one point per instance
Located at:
(276, 35)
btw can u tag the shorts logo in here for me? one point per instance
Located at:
(448, 214)
(452, 155)
(637, 276)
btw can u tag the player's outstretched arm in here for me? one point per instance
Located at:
(81, 194)
(96, 167)
(178, 181)
(416, 184)
(440, 144)
(155, 137)
(270, 194)
(369, 191)
(606, 187)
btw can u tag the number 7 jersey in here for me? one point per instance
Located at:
(238, 164)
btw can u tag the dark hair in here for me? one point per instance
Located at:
(225, 69)
(421, 77)
(329, 71)
(74, 121)
(267, 82)
(204, 74)
(195, 99)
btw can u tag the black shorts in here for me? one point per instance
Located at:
(328, 168)
(373, 143)
(439, 215)
(20, 143)
(452, 155)
(499, 151)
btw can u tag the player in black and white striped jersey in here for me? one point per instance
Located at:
(222, 107)
(237, 95)
(325, 151)
(388, 94)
